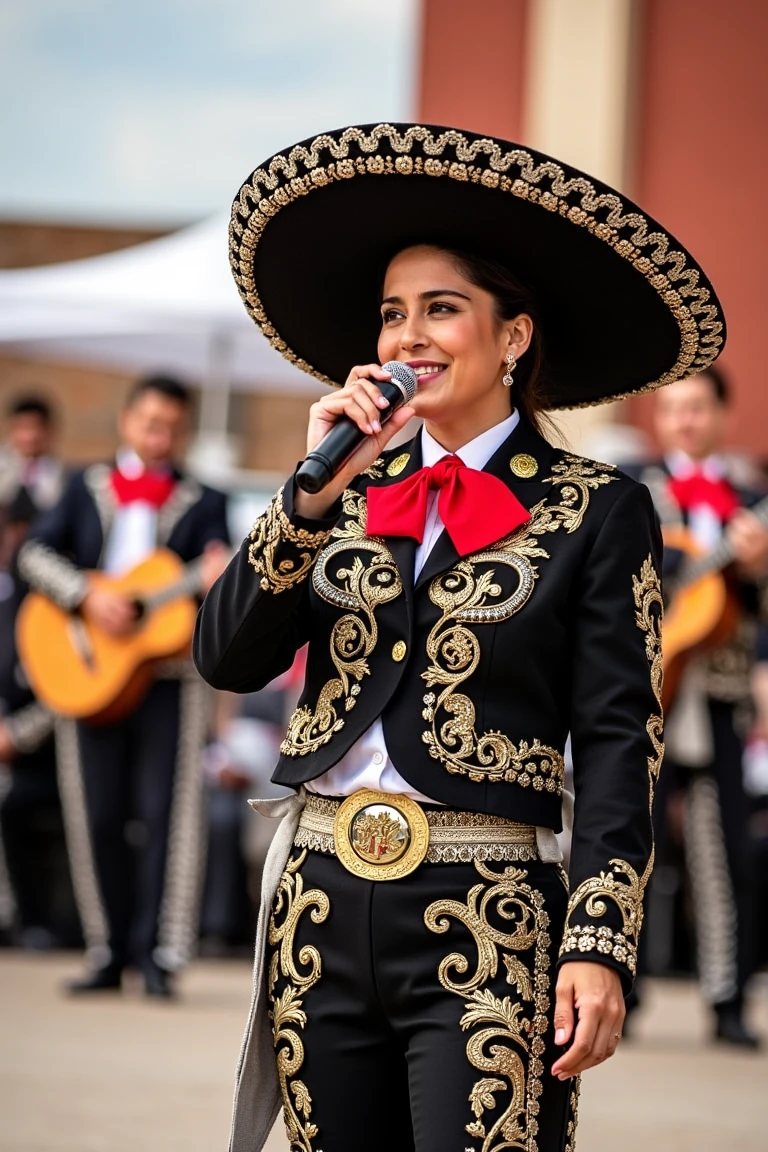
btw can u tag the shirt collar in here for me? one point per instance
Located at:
(681, 464)
(475, 453)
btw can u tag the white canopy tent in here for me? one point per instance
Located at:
(166, 305)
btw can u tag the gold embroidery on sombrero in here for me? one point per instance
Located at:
(300, 172)
(296, 975)
(272, 531)
(622, 886)
(466, 597)
(360, 588)
(507, 1033)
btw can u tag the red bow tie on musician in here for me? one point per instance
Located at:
(475, 507)
(152, 488)
(698, 490)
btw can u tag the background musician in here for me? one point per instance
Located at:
(131, 789)
(693, 485)
(28, 460)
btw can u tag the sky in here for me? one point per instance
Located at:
(155, 111)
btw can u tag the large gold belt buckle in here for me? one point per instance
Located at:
(380, 836)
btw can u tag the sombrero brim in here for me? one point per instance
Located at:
(625, 308)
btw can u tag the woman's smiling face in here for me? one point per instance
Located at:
(448, 330)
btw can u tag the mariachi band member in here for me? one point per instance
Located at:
(137, 901)
(693, 486)
(469, 598)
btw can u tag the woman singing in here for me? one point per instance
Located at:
(426, 977)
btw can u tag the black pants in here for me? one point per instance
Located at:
(128, 773)
(416, 1014)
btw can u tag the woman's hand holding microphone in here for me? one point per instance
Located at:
(361, 401)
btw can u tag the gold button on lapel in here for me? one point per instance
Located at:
(399, 650)
(523, 466)
(395, 467)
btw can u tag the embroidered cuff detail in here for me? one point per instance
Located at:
(270, 537)
(589, 938)
(53, 575)
(624, 889)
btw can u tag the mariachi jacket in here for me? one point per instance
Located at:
(481, 668)
(724, 670)
(70, 537)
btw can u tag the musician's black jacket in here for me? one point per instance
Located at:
(71, 536)
(725, 671)
(481, 669)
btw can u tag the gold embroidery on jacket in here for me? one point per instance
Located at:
(273, 529)
(507, 1031)
(626, 894)
(465, 597)
(297, 974)
(361, 589)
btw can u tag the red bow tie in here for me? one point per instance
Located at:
(475, 507)
(152, 487)
(697, 489)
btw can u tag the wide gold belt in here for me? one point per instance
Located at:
(380, 836)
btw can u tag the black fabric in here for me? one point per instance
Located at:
(322, 255)
(385, 1061)
(73, 528)
(573, 658)
(128, 773)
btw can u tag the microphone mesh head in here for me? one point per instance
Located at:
(405, 377)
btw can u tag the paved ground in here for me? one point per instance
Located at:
(123, 1075)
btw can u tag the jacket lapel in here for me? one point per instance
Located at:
(403, 548)
(523, 463)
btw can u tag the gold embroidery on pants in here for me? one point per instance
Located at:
(507, 1031)
(287, 1013)
(362, 589)
(573, 1117)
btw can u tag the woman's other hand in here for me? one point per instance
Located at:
(362, 402)
(589, 1010)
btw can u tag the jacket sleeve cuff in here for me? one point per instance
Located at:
(284, 546)
(52, 574)
(605, 914)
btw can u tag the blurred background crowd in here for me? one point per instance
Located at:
(142, 408)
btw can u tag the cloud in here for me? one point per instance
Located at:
(111, 105)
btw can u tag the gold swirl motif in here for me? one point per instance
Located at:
(300, 172)
(361, 589)
(273, 529)
(626, 894)
(465, 597)
(300, 973)
(507, 1031)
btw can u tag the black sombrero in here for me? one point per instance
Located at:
(313, 228)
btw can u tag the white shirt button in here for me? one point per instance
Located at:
(377, 758)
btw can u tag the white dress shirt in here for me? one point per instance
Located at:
(703, 521)
(133, 534)
(367, 764)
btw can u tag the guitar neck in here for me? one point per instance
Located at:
(721, 556)
(186, 586)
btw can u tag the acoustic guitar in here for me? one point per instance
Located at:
(703, 608)
(80, 671)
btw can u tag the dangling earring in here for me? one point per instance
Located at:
(508, 379)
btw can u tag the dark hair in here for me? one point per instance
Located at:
(167, 386)
(31, 405)
(721, 385)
